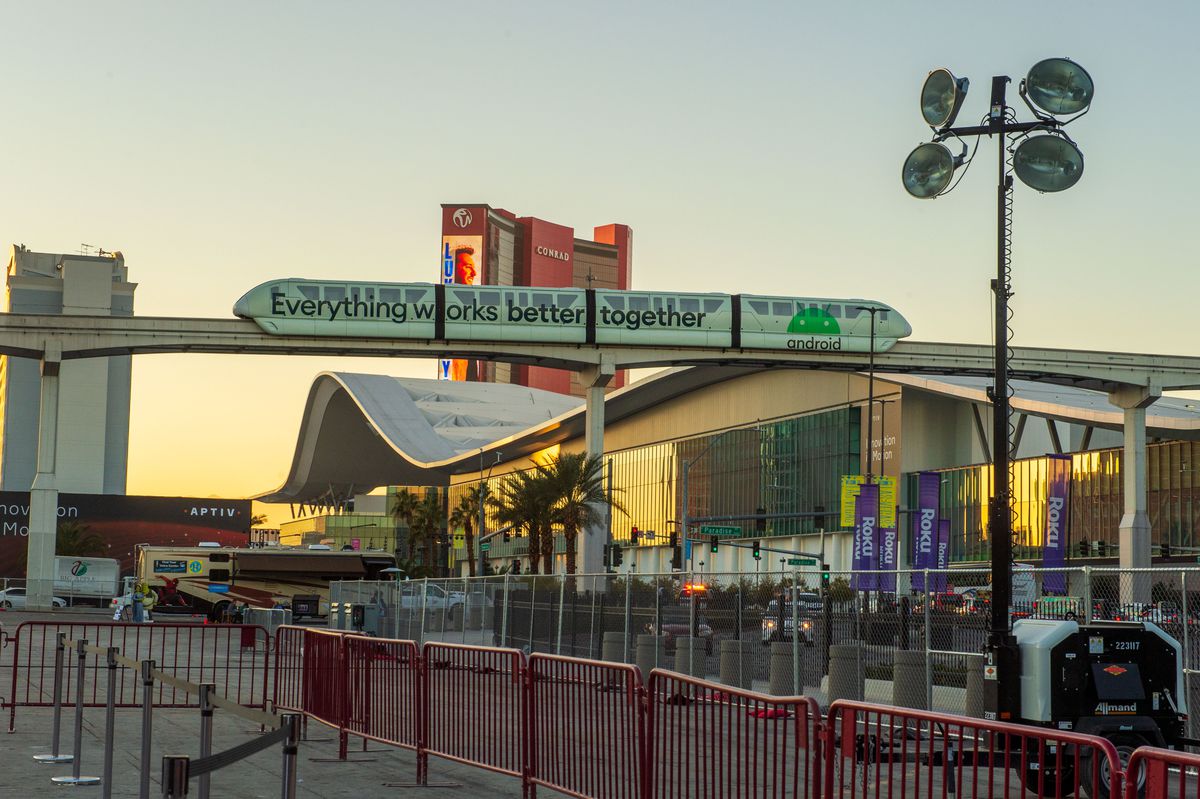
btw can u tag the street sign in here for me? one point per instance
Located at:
(485, 546)
(736, 532)
(802, 562)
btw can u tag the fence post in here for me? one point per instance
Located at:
(206, 731)
(54, 756)
(504, 615)
(1187, 648)
(562, 594)
(174, 776)
(290, 723)
(75, 779)
(110, 720)
(424, 597)
(628, 614)
(1087, 594)
(147, 723)
(928, 646)
(797, 680)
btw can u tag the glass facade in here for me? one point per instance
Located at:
(1096, 503)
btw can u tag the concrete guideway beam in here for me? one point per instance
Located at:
(24, 335)
(1134, 531)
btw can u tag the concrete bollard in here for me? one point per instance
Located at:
(974, 704)
(845, 672)
(651, 653)
(908, 680)
(737, 663)
(782, 671)
(612, 648)
(690, 657)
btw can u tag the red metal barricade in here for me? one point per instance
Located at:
(384, 684)
(875, 751)
(474, 707)
(288, 690)
(1162, 773)
(586, 727)
(705, 739)
(208, 653)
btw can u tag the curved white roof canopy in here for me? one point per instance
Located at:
(360, 432)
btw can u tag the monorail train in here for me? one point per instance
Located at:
(437, 312)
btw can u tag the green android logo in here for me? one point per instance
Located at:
(814, 322)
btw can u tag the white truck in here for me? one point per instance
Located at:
(86, 581)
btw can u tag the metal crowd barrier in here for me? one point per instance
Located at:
(176, 770)
(1156, 773)
(875, 750)
(586, 727)
(235, 658)
(474, 706)
(705, 739)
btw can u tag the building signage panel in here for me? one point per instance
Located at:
(170, 566)
(852, 483)
(462, 264)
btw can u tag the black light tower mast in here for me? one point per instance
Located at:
(1048, 163)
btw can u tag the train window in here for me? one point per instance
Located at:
(489, 298)
(760, 306)
(540, 299)
(309, 292)
(369, 293)
(567, 300)
(852, 312)
(354, 293)
(413, 295)
(689, 304)
(616, 303)
(637, 303)
(833, 310)
(782, 308)
(883, 316)
(712, 306)
(392, 295)
(462, 295)
(335, 293)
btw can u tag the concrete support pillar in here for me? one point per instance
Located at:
(908, 679)
(651, 654)
(690, 657)
(845, 672)
(737, 662)
(1134, 532)
(591, 547)
(43, 496)
(612, 647)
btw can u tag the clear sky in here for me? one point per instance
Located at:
(751, 146)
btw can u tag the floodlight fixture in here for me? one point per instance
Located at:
(1059, 86)
(941, 97)
(928, 169)
(1048, 163)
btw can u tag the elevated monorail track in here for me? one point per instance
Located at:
(30, 335)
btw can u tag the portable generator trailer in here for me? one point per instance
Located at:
(1122, 681)
(1118, 680)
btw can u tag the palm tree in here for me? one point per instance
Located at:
(523, 502)
(577, 484)
(428, 521)
(404, 510)
(77, 540)
(464, 515)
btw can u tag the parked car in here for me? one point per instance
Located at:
(771, 628)
(676, 622)
(1058, 607)
(14, 599)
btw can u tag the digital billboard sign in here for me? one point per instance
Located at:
(121, 522)
(462, 264)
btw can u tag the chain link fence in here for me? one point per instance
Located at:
(918, 644)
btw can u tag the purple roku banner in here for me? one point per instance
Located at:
(925, 526)
(1054, 554)
(866, 549)
(942, 560)
(886, 544)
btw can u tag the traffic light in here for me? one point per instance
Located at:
(1083, 548)
(1166, 549)
(516, 567)
(756, 551)
(1101, 548)
(676, 552)
(760, 523)
(507, 537)
(617, 555)
(712, 544)
(824, 575)
(607, 557)
(633, 536)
